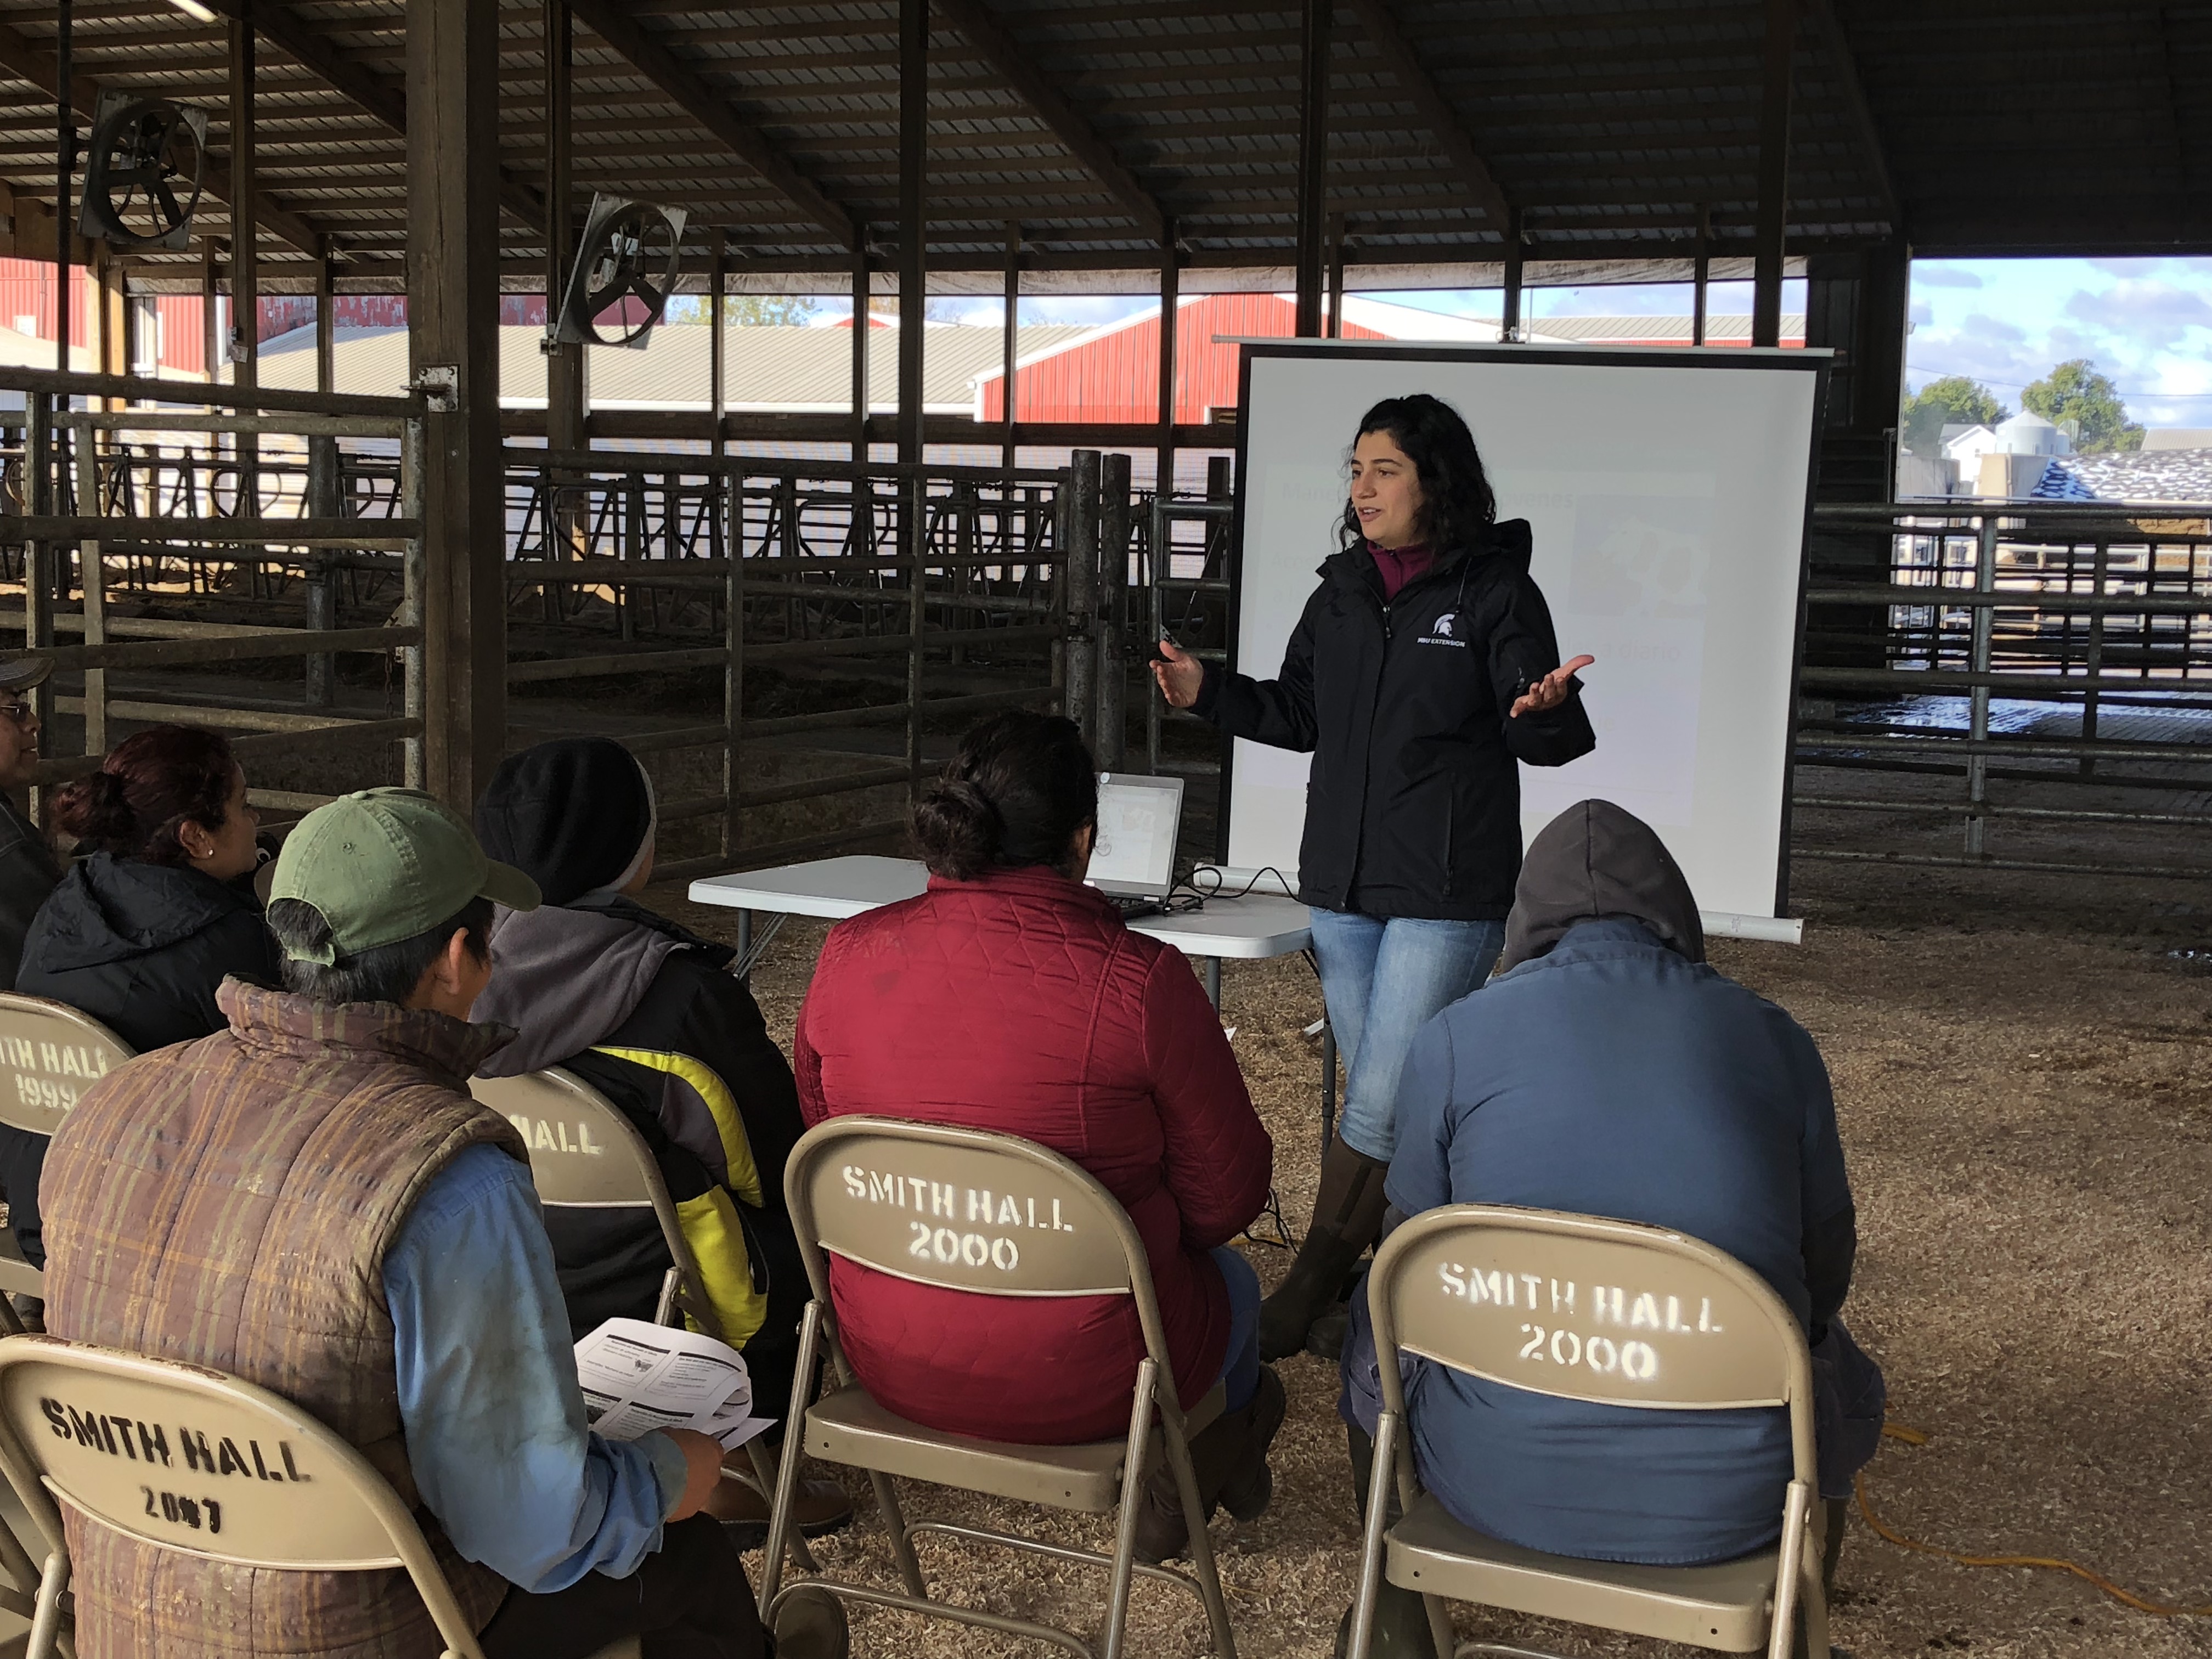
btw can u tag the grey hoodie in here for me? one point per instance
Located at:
(1599, 859)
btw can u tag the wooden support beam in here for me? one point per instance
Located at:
(453, 303)
(690, 91)
(1516, 253)
(1843, 68)
(1010, 339)
(990, 41)
(1435, 109)
(381, 96)
(245, 285)
(25, 61)
(862, 330)
(1773, 172)
(1170, 309)
(1316, 16)
(913, 222)
(64, 164)
(564, 363)
(1701, 277)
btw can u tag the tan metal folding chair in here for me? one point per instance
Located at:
(1604, 1311)
(584, 1153)
(325, 1509)
(988, 1214)
(49, 1053)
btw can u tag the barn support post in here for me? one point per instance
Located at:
(1336, 239)
(64, 168)
(1113, 507)
(1164, 467)
(1313, 160)
(913, 232)
(1701, 276)
(1009, 346)
(863, 509)
(245, 258)
(1773, 172)
(452, 307)
(1079, 581)
(1516, 248)
(323, 494)
(565, 532)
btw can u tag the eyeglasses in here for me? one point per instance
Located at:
(21, 713)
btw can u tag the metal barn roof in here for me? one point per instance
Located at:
(1607, 124)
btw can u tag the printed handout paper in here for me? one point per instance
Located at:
(637, 1378)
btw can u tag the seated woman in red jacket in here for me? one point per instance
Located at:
(1010, 997)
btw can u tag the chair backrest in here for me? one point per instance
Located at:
(1589, 1309)
(586, 1155)
(193, 1460)
(963, 1209)
(49, 1053)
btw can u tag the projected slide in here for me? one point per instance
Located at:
(1667, 493)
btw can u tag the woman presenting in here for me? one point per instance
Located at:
(1422, 668)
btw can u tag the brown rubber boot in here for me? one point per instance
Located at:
(1230, 1458)
(1347, 1214)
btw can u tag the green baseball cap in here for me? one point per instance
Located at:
(386, 865)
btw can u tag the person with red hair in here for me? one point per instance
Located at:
(157, 911)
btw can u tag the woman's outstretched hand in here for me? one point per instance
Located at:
(1182, 675)
(1546, 694)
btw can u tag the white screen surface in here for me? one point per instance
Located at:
(1666, 494)
(1138, 818)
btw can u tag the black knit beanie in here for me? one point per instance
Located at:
(573, 813)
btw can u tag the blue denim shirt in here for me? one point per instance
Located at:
(496, 1429)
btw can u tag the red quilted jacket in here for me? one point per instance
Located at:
(1019, 1002)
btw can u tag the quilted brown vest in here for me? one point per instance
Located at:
(228, 1203)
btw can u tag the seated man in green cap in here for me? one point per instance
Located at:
(312, 1201)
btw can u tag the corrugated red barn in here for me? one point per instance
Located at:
(1115, 374)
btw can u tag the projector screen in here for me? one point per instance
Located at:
(1668, 491)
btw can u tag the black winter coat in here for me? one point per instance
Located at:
(140, 947)
(1414, 804)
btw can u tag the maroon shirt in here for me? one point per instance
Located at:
(1019, 1002)
(1398, 566)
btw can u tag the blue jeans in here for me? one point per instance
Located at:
(1383, 978)
(1240, 1364)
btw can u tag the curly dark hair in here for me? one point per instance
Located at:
(1457, 504)
(150, 786)
(1015, 795)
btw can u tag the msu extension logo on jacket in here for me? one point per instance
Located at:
(1414, 804)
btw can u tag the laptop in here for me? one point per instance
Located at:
(1133, 861)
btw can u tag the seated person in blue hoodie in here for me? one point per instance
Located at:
(651, 1016)
(1608, 1070)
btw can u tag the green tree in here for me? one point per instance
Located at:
(743, 310)
(1952, 400)
(2074, 391)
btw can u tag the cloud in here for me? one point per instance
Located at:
(1936, 276)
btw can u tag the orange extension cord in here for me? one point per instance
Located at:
(1915, 1437)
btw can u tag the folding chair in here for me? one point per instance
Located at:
(326, 1510)
(917, 1200)
(1603, 1311)
(585, 1154)
(49, 1053)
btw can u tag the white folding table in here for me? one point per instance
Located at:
(1253, 928)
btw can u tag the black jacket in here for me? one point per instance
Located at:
(140, 947)
(1414, 804)
(27, 874)
(634, 1004)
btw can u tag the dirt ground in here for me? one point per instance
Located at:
(2019, 1072)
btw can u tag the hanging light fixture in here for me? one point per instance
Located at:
(193, 10)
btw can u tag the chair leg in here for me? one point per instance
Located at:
(1789, 1574)
(46, 1621)
(1371, 1541)
(902, 1545)
(1132, 1487)
(1204, 1567)
(780, 1528)
(1812, 1606)
(770, 1480)
(1440, 1625)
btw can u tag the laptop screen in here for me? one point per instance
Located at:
(1138, 817)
